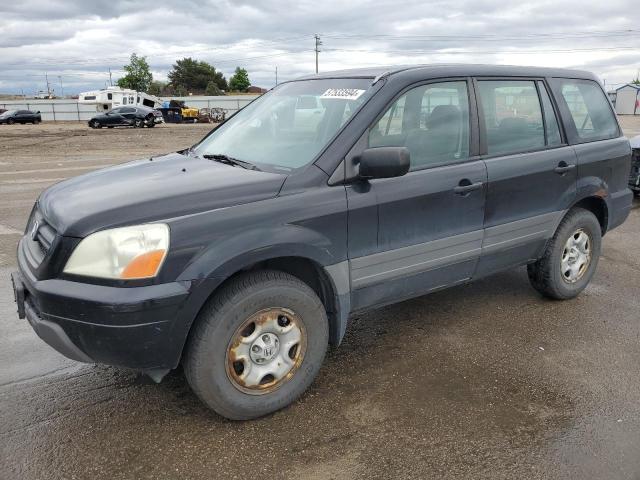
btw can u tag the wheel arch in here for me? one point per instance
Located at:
(598, 206)
(329, 282)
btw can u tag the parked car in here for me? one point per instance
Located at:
(243, 257)
(634, 178)
(20, 116)
(127, 116)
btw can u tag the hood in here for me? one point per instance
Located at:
(151, 190)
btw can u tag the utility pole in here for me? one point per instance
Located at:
(110, 77)
(61, 89)
(47, 80)
(317, 49)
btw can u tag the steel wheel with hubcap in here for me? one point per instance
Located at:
(266, 351)
(576, 256)
(257, 344)
(138, 123)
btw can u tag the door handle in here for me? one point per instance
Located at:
(563, 168)
(465, 186)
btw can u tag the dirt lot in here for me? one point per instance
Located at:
(486, 380)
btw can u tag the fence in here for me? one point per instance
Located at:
(70, 110)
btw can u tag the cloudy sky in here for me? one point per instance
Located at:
(77, 41)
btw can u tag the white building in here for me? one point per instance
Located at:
(112, 97)
(627, 100)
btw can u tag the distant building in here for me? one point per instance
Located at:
(627, 100)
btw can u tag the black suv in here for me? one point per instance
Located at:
(243, 256)
(127, 117)
(20, 116)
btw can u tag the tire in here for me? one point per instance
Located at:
(209, 367)
(555, 279)
(95, 124)
(151, 124)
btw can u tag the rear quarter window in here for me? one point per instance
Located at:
(589, 109)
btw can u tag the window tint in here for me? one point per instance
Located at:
(589, 108)
(432, 121)
(127, 110)
(512, 116)
(550, 120)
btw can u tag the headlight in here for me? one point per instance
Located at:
(121, 253)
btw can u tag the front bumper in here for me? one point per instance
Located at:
(134, 327)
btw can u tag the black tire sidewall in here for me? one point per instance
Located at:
(585, 220)
(207, 369)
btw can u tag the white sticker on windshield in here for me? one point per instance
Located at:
(343, 93)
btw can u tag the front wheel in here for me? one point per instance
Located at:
(257, 345)
(570, 258)
(138, 123)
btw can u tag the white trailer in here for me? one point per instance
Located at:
(112, 97)
(628, 100)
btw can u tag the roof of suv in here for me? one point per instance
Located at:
(454, 70)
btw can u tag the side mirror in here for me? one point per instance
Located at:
(384, 162)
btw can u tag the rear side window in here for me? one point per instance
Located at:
(432, 121)
(512, 116)
(589, 109)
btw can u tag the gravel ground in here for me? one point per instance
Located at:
(486, 380)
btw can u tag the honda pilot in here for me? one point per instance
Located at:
(243, 257)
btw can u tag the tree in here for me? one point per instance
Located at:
(239, 82)
(195, 76)
(213, 89)
(636, 81)
(157, 88)
(138, 75)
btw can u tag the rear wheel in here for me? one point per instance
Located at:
(570, 258)
(257, 345)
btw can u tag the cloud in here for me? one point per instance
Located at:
(80, 41)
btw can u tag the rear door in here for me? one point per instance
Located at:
(531, 170)
(412, 234)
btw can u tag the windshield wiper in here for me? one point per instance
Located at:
(226, 159)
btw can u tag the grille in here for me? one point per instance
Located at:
(39, 240)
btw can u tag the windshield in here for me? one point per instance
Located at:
(8, 113)
(287, 127)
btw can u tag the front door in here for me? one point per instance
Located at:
(532, 171)
(412, 234)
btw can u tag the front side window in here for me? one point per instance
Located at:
(431, 120)
(512, 116)
(589, 109)
(289, 126)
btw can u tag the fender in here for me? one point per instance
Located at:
(221, 260)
